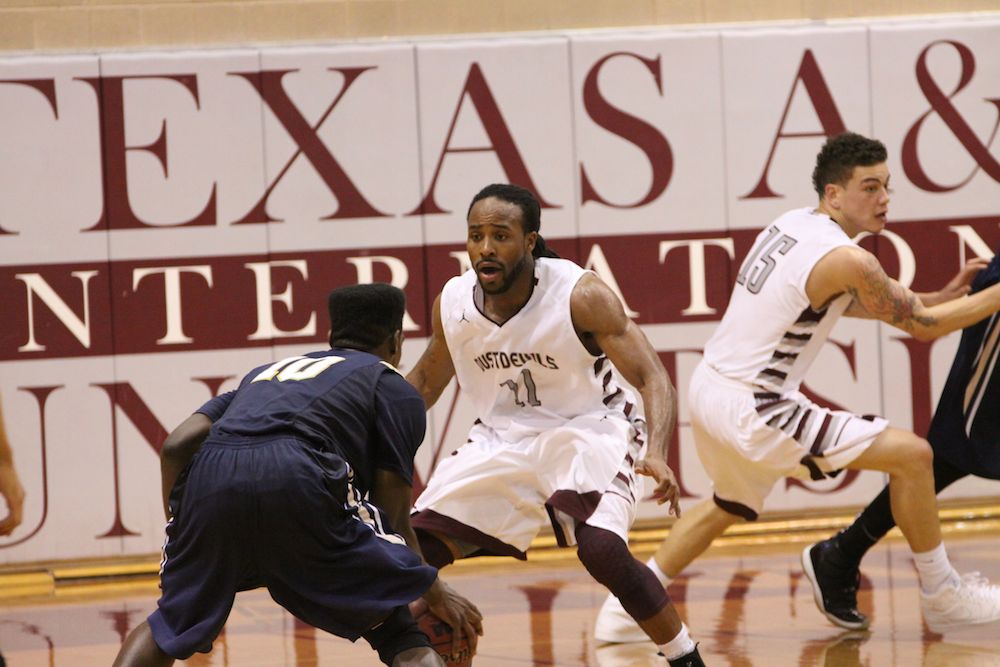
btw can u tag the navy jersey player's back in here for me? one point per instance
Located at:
(343, 400)
(965, 430)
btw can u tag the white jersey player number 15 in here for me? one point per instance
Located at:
(761, 261)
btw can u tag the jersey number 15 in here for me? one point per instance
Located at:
(761, 262)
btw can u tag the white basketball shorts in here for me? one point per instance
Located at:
(747, 443)
(498, 494)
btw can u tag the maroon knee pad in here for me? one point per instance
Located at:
(609, 561)
(436, 553)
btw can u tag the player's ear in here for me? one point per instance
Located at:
(531, 239)
(831, 192)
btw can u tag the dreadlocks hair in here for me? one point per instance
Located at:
(364, 316)
(531, 217)
(836, 161)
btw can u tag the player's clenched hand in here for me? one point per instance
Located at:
(666, 490)
(458, 612)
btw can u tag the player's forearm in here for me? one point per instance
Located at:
(930, 298)
(169, 471)
(660, 404)
(419, 381)
(943, 318)
(178, 449)
(409, 536)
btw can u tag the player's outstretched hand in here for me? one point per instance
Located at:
(13, 494)
(666, 490)
(458, 612)
(960, 284)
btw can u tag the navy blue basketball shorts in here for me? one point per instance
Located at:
(279, 514)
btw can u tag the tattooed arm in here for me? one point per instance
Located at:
(877, 296)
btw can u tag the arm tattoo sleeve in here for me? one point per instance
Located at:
(888, 300)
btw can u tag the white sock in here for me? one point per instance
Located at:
(680, 645)
(660, 575)
(934, 569)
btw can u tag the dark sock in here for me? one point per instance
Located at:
(876, 520)
(868, 528)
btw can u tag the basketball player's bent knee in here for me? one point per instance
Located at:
(609, 561)
(914, 456)
(899, 453)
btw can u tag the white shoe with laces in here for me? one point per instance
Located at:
(614, 624)
(973, 601)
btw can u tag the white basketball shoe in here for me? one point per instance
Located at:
(973, 601)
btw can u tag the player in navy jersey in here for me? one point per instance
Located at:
(300, 480)
(965, 437)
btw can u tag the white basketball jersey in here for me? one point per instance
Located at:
(769, 334)
(531, 373)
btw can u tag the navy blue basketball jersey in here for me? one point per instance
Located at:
(965, 430)
(341, 400)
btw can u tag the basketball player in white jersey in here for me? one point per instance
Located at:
(752, 426)
(537, 342)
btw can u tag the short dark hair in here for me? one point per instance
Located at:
(531, 215)
(836, 161)
(364, 316)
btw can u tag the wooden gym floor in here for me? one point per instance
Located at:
(745, 601)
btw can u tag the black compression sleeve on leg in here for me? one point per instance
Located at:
(609, 561)
(876, 520)
(436, 553)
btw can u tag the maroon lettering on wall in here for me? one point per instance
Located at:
(501, 142)
(91, 305)
(222, 316)
(350, 202)
(123, 395)
(935, 246)
(47, 87)
(631, 128)
(826, 111)
(223, 313)
(213, 383)
(117, 212)
(41, 395)
(946, 111)
(642, 277)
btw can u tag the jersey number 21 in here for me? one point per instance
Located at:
(531, 393)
